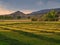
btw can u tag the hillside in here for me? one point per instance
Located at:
(42, 12)
(21, 15)
(14, 15)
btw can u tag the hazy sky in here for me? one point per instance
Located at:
(27, 6)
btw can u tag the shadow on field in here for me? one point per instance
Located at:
(8, 41)
(37, 36)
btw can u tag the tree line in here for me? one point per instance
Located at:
(50, 16)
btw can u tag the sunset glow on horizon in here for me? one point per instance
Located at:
(27, 6)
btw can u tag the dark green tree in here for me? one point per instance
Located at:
(34, 19)
(18, 17)
(28, 17)
(51, 16)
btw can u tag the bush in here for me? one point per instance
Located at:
(34, 19)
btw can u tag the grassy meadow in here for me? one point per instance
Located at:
(29, 33)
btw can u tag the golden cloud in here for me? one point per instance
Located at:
(4, 11)
(26, 11)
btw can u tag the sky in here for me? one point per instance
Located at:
(27, 6)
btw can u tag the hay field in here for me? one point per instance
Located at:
(29, 33)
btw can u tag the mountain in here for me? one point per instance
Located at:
(14, 15)
(40, 13)
(17, 13)
(21, 15)
(44, 11)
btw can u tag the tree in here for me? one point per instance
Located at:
(28, 17)
(34, 19)
(51, 16)
(18, 17)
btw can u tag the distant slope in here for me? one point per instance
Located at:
(39, 14)
(17, 13)
(14, 15)
(44, 11)
(20, 15)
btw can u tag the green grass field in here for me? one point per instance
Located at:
(29, 33)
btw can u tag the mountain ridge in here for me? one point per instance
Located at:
(20, 15)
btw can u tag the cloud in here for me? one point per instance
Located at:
(27, 11)
(47, 4)
(40, 3)
(54, 4)
(3, 9)
(7, 7)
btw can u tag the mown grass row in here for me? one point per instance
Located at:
(36, 36)
(33, 28)
(27, 33)
(19, 34)
(4, 40)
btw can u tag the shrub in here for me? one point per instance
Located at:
(34, 19)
